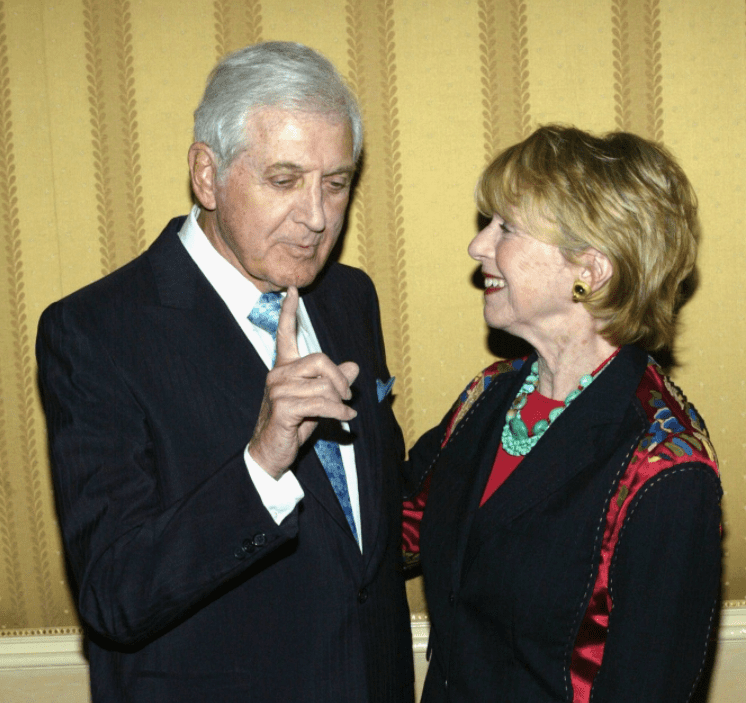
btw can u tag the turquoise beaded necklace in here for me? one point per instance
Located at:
(516, 440)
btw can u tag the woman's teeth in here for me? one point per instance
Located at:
(491, 282)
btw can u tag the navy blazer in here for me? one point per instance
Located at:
(188, 589)
(508, 583)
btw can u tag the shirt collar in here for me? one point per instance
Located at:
(237, 291)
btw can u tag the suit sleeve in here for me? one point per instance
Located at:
(141, 561)
(417, 474)
(664, 582)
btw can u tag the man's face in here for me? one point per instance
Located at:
(279, 209)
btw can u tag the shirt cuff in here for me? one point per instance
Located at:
(279, 496)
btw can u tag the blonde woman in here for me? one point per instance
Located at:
(570, 542)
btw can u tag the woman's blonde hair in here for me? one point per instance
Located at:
(620, 194)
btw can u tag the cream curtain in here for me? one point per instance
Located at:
(96, 99)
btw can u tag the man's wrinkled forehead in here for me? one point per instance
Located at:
(278, 141)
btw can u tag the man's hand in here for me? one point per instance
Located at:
(298, 392)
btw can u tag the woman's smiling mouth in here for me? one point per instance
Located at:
(493, 284)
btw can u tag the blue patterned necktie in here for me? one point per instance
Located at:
(266, 315)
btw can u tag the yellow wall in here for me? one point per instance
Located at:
(95, 120)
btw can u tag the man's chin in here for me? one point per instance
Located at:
(300, 280)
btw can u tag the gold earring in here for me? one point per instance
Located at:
(580, 291)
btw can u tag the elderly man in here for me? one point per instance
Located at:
(227, 481)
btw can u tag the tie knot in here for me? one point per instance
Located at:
(266, 313)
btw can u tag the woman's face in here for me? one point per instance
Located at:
(528, 283)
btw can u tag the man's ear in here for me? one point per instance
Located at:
(596, 269)
(203, 170)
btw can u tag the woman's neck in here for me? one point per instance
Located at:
(562, 365)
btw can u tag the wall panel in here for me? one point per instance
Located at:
(705, 105)
(96, 102)
(571, 57)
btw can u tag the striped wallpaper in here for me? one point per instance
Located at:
(96, 98)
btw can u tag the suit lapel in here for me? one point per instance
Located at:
(587, 432)
(340, 346)
(476, 446)
(190, 311)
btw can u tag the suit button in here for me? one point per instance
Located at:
(239, 553)
(445, 684)
(259, 540)
(362, 595)
(451, 597)
(248, 546)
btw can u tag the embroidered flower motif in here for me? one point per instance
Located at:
(674, 437)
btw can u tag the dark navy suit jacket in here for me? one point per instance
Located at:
(188, 589)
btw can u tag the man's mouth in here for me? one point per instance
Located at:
(493, 284)
(303, 249)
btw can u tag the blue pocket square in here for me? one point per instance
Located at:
(383, 388)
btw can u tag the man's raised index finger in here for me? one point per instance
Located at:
(287, 342)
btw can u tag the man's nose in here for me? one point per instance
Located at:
(310, 207)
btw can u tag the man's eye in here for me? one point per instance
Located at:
(283, 182)
(337, 185)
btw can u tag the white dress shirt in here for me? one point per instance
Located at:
(240, 296)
